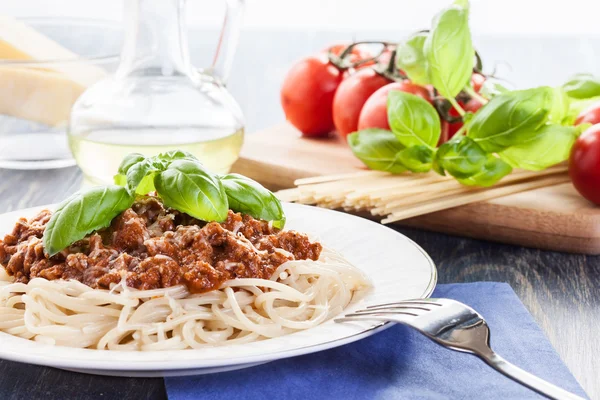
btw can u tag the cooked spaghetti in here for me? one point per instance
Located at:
(157, 279)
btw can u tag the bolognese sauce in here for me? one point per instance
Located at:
(151, 246)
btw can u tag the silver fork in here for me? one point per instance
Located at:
(457, 326)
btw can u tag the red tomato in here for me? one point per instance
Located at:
(450, 129)
(307, 95)
(584, 164)
(477, 81)
(374, 112)
(590, 115)
(350, 97)
(472, 106)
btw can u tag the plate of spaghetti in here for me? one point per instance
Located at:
(177, 271)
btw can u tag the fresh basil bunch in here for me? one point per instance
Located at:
(516, 129)
(182, 183)
(526, 129)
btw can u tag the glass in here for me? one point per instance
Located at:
(36, 96)
(157, 101)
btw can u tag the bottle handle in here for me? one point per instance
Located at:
(228, 40)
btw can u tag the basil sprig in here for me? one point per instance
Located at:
(83, 213)
(516, 129)
(182, 183)
(528, 129)
(137, 172)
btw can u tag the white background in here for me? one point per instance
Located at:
(540, 17)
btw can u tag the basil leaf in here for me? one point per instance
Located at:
(186, 186)
(130, 160)
(582, 86)
(449, 50)
(411, 59)
(493, 170)
(559, 107)
(120, 180)
(461, 157)
(83, 213)
(549, 145)
(377, 149)
(511, 117)
(413, 120)
(139, 172)
(146, 185)
(249, 197)
(416, 158)
(134, 169)
(162, 160)
(435, 165)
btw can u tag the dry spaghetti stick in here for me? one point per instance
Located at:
(397, 184)
(449, 184)
(302, 192)
(401, 199)
(462, 199)
(337, 177)
(401, 204)
(432, 187)
(365, 174)
(349, 186)
(367, 186)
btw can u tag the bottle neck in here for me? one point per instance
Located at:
(155, 41)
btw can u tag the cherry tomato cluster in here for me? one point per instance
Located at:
(344, 88)
(584, 162)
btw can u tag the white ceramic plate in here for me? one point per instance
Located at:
(397, 267)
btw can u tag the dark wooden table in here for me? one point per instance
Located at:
(562, 291)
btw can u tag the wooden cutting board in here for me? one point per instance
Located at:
(554, 218)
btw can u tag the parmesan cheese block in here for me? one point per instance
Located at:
(36, 95)
(18, 41)
(45, 92)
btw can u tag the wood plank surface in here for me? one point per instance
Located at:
(554, 218)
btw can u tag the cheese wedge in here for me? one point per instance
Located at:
(18, 41)
(36, 95)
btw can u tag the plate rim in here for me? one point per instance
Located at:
(193, 364)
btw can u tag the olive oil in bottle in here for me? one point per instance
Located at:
(99, 153)
(157, 101)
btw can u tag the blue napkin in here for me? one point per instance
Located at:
(399, 363)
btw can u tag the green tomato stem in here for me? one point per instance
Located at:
(457, 107)
(469, 90)
(461, 131)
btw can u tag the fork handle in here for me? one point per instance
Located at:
(525, 378)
